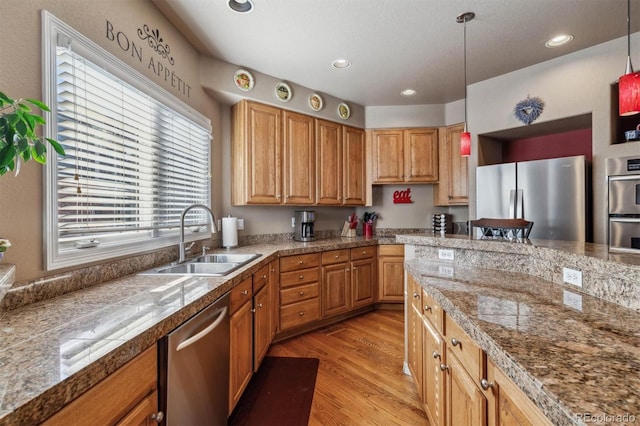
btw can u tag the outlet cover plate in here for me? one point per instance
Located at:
(572, 276)
(445, 254)
(240, 223)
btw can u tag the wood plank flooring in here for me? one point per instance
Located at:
(360, 379)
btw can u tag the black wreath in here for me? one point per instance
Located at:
(528, 110)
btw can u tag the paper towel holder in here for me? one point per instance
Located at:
(229, 232)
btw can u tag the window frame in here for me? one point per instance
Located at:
(52, 28)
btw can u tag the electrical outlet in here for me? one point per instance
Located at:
(240, 223)
(572, 276)
(293, 222)
(445, 254)
(445, 271)
(219, 224)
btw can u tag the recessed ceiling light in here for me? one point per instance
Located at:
(559, 40)
(408, 92)
(241, 6)
(341, 63)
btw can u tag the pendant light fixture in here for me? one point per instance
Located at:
(465, 137)
(629, 83)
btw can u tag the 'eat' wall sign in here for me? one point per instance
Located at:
(402, 197)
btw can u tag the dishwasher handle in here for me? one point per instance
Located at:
(193, 339)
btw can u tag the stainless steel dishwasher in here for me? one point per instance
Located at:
(195, 383)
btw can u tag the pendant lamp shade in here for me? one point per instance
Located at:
(465, 144)
(629, 94)
(629, 83)
(465, 136)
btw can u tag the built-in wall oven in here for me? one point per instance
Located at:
(623, 175)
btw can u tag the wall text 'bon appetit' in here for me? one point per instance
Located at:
(158, 45)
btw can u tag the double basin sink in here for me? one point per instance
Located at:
(209, 265)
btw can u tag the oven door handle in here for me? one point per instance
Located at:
(193, 339)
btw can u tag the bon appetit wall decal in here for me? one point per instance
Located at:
(155, 41)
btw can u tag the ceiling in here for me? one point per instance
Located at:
(395, 44)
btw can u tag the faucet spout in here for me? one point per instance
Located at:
(181, 247)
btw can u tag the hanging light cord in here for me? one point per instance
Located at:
(629, 67)
(465, 74)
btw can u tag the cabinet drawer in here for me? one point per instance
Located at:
(240, 294)
(335, 256)
(432, 311)
(299, 293)
(303, 261)
(391, 250)
(467, 351)
(299, 313)
(260, 278)
(292, 278)
(363, 252)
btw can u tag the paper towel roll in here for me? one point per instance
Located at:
(229, 232)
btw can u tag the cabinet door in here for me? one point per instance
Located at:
(391, 278)
(329, 163)
(363, 275)
(388, 156)
(144, 413)
(240, 353)
(421, 155)
(256, 154)
(433, 388)
(336, 292)
(508, 405)
(299, 166)
(354, 160)
(414, 343)
(261, 326)
(453, 187)
(274, 286)
(466, 404)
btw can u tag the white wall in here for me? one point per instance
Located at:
(574, 84)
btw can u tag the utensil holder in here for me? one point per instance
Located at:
(367, 230)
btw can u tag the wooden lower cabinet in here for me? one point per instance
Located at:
(465, 403)
(414, 333)
(433, 379)
(299, 290)
(127, 396)
(363, 268)
(336, 291)
(391, 273)
(241, 344)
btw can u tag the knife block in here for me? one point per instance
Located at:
(347, 231)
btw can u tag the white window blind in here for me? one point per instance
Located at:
(132, 163)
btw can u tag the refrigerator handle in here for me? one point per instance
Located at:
(516, 209)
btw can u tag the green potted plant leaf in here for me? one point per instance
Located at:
(18, 136)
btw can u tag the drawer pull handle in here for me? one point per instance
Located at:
(337, 256)
(301, 277)
(444, 367)
(301, 262)
(157, 417)
(415, 295)
(301, 313)
(259, 305)
(436, 355)
(364, 252)
(485, 384)
(302, 293)
(427, 308)
(456, 342)
(245, 292)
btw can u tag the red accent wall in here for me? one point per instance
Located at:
(575, 142)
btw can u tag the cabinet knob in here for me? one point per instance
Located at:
(245, 292)
(302, 293)
(456, 342)
(337, 256)
(259, 305)
(301, 262)
(444, 367)
(485, 384)
(264, 277)
(415, 295)
(427, 308)
(354, 268)
(347, 270)
(364, 252)
(435, 354)
(301, 313)
(301, 277)
(158, 417)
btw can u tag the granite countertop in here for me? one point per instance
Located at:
(53, 351)
(570, 352)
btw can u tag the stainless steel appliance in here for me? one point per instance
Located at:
(303, 222)
(194, 368)
(553, 194)
(623, 176)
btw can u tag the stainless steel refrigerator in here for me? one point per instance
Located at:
(553, 194)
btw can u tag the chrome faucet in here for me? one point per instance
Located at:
(184, 213)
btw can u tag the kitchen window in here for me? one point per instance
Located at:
(136, 156)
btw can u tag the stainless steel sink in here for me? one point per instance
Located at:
(210, 265)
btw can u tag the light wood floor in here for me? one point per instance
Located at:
(360, 379)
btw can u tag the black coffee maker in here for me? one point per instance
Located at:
(304, 220)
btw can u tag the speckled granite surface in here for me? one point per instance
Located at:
(54, 350)
(571, 353)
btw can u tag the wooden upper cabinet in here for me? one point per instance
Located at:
(388, 156)
(453, 187)
(405, 155)
(329, 163)
(354, 160)
(421, 155)
(256, 154)
(299, 159)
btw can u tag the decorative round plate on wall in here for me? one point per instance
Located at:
(283, 92)
(343, 111)
(243, 80)
(315, 102)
